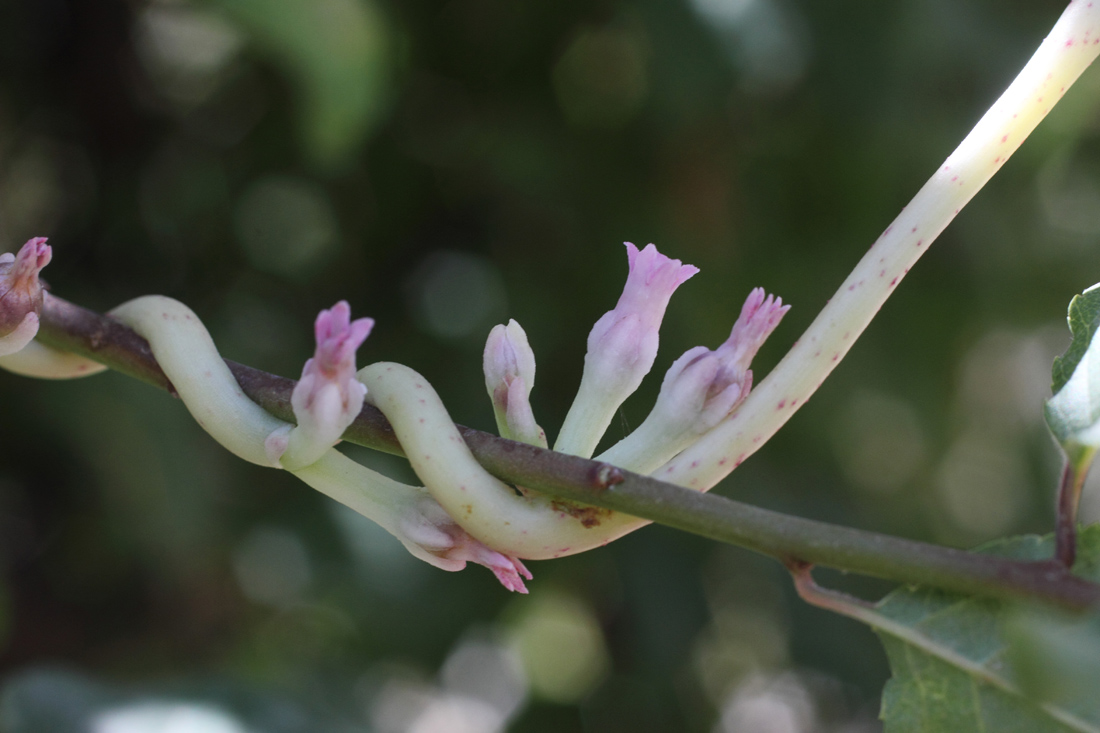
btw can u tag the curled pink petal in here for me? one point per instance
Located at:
(508, 570)
(445, 544)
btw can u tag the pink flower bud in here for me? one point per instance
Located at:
(21, 293)
(431, 530)
(701, 389)
(716, 382)
(509, 376)
(625, 339)
(622, 347)
(328, 397)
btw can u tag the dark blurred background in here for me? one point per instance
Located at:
(446, 165)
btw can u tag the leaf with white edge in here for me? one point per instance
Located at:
(1073, 413)
(954, 658)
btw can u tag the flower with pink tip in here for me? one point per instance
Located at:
(509, 376)
(759, 317)
(21, 294)
(328, 397)
(625, 338)
(508, 570)
(622, 347)
(701, 389)
(432, 535)
(650, 283)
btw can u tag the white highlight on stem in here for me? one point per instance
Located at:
(1072, 45)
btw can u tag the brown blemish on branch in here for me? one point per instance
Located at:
(589, 516)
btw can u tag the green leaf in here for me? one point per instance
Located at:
(335, 54)
(1073, 413)
(1056, 656)
(962, 663)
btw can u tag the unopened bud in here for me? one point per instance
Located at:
(700, 390)
(328, 397)
(21, 294)
(509, 376)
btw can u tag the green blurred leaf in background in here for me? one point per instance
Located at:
(336, 53)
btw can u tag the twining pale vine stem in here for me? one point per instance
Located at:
(790, 539)
(1071, 46)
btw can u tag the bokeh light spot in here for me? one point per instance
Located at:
(601, 80)
(272, 567)
(456, 295)
(562, 648)
(165, 718)
(982, 484)
(184, 50)
(286, 226)
(879, 442)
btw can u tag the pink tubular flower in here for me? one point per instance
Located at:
(21, 293)
(701, 389)
(509, 376)
(622, 347)
(429, 529)
(627, 336)
(650, 284)
(328, 397)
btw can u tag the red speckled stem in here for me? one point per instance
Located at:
(1072, 45)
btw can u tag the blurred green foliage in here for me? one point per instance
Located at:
(965, 663)
(445, 165)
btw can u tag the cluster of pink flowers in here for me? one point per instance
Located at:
(701, 389)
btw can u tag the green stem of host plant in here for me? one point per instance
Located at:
(1069, 497)
(786, 538)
